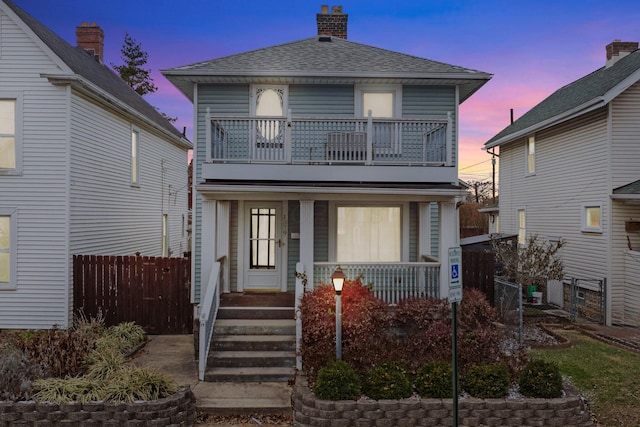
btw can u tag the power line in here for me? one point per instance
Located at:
(477, 164)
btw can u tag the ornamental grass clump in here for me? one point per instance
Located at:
(17, 374)
(541, 379)
(388, 381)
(434, 380)
(337, 381)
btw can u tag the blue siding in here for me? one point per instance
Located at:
(321, 231)
(321, 100)
(413, 232)
(230, 99)
(293, 253)
(435, 229)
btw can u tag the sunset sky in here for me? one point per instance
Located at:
(531, 47)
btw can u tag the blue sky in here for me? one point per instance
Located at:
(531, 47)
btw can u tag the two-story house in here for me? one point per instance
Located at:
(570, 169)
(87, 167)
(321, 153)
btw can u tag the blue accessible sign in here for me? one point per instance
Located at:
(455, 279)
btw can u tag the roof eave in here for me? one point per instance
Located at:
(87, 87)
(559, 118)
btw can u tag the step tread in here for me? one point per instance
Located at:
(255, 338)
(255, 322)
(250, 370)
(251, 354)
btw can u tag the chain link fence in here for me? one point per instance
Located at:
(520, 308)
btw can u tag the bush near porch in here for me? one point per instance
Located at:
(416, 331)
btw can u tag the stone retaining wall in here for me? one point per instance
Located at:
(176, 410)
(310, 411)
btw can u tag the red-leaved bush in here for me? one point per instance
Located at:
(416, 331)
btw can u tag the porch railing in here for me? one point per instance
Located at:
(208, 312)
(391, 282)
(368, 141)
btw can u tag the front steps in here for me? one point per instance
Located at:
(252, 344)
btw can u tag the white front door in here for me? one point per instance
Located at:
(263, 248)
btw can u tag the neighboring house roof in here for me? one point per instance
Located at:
(629, 193)
(326, 59)
(586, 94)
(90, 70)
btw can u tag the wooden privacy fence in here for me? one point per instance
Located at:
(477, 272)
(154, 292)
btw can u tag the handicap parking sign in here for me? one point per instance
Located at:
(454, 271)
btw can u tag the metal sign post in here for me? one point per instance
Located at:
(455, 296)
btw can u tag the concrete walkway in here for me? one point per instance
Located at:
(174, 355)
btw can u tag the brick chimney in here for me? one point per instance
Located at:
(91, 39)
(619, 49)
(332, 24)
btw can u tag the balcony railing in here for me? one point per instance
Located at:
(366, 141)
(391, 282)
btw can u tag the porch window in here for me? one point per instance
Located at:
(263, 238)
(369, 234)
(8, 143)
(592, 217)
(7, 249)
(522, 229)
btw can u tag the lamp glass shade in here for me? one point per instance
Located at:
(337, 279)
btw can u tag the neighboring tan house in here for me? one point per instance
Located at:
(87, 167)
(324, 152)
(570, 169)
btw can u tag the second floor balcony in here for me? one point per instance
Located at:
(366, 144)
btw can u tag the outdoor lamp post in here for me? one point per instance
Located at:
(338, 278)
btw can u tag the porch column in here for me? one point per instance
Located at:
(223, 228)
(424, 218)
(449, 237)
(208, 243)
(306, 240)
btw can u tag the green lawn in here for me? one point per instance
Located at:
(609, 377)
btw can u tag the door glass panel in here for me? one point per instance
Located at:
(369, 234)
(263, 238)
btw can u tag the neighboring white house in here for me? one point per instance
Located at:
(86, 167)
(324, 152)
(570, 169)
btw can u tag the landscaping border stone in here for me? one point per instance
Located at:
(309, 411)
(178, 409)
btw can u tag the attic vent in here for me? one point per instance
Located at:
(324, 38)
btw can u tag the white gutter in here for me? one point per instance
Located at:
(87, 87)
(591, 105)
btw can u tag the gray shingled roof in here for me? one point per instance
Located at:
(587, 91)
(633, 188)
(333, 58)
(86, 66)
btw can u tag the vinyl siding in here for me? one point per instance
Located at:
(625, 168)
(321, 100)
(109, 216)
(226, 99)
(430, 101)
(39, 194)
(321, 231)
(571, 168)
(293, 245)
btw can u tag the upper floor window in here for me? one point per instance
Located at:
(383, 101)
(522, 226)
(135, 156)
(592, 217)
(7, 248)
(531, 155)
(269, 101)
(9, 143)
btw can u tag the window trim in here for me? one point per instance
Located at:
(165, 235)
(530, 141)
(360, 90)
(12, 213)
(584, 227)
(404, 225)
(135, 177)
(18, 137)
(521, 241)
